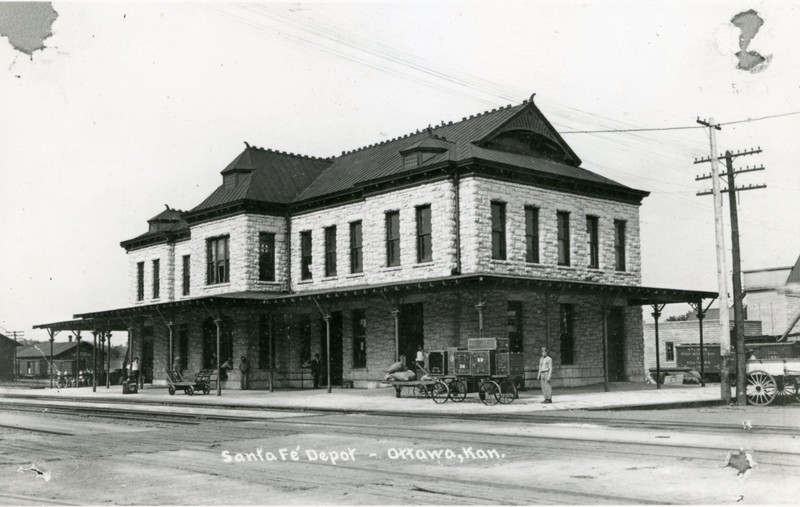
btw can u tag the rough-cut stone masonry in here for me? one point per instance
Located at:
(450, 319)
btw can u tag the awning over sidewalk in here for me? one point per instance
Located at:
(633, 295)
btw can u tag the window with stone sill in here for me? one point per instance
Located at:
(498, 230)
(305, 255)
(393, 238)
(156, 278)
(562, 220)
(266, 257)
(140, 281)
(218, 259)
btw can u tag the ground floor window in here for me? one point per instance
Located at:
(514, 319)
(210, 342)
(567, 334)
(183, 346)
(670, 350)
(264, 341)
(359, 339)
(305, 340)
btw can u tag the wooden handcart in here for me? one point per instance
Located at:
(201, 382)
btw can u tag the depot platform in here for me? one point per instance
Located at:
(382, 400)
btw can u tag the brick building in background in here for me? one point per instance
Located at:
(773, 297)
(484, 226)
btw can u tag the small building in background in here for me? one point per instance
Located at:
(33, 361)
(674, 333)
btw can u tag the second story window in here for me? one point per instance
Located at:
(156, 278)
(266, 257)
(562, 219)
(531, 234)
(593, 241)
(619, 245)
(356, 253)
(140, 281)
(393, 238)
(305, 255)
(499, 230)
(218, 256)
(330, 251)
(186, 277)
(424, 250)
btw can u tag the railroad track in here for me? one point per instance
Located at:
(231, 414)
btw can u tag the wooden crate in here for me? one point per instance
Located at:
(462, 364)
(437, 362)
(487, 344)
(510, 363)
(482, 362)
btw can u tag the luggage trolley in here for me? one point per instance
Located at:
(486, 367)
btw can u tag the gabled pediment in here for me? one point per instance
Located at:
(529, 133)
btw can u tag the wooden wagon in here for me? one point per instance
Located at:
(771, 379)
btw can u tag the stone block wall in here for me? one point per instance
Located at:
(450, 319)
(476, 195)
(372, 212)
(164, 252)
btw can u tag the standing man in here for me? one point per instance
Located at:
(135, 370)
(315, 370)
(545, 370)
(420, 359)
(244, 367)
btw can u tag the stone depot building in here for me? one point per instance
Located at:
(483, 227)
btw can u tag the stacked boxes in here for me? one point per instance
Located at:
(487, 344)
(510, 363)
(485, 357)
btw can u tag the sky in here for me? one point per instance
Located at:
(131, 106)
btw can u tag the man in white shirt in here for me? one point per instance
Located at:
(545, 370)
(135, 370)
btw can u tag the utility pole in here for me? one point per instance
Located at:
(738, 296)
(722, 271)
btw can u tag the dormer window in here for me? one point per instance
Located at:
(230, 180)
(411, 160)
(421, 152)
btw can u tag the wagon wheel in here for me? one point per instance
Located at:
(439, 392)
(786, 389)
(489, 391)
(171, 390)
(421, 391)
(189, 390)
(761, 388)
(507, 393)
(458, 390)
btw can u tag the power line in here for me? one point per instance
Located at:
(688, 127)
(654, 129)
(760, 118)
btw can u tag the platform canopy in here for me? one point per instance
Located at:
(631, 295)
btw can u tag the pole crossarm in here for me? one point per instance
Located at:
(747, 169)
(751, 151)
(754, 186)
